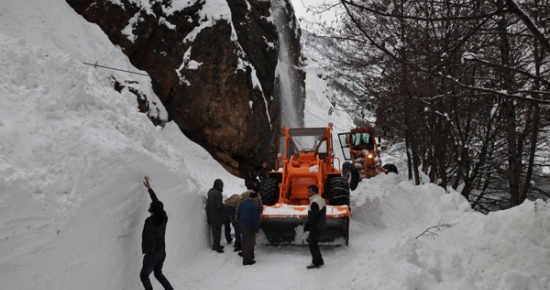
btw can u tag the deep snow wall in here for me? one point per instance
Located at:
(73, 154)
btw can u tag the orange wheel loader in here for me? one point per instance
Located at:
(305, 158)
(362, 156)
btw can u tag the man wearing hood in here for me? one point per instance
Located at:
(152, 243)
(214, 212)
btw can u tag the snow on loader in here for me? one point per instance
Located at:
(305, 158)
(362, 156)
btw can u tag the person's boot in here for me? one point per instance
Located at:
(313, 266)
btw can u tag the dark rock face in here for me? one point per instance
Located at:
(215, 77)
(143, 105)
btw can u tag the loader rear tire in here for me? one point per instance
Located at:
(339, 191)
(351, 175)
(269, 191)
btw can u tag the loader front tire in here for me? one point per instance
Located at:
(269, 191)
(351, 175)
(339, 191)
(390, 168)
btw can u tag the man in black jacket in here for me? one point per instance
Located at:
(152, 243)
(264, 171)
(250, 177)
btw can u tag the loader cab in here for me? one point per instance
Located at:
(362, 140)
(308, 143)
(354, 143)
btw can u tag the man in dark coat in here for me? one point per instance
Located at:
(249, 221)
(214, 212)
(250, 177)
(316, 224)
(152, 243)
(264, 171)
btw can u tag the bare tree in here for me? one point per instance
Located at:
(463, 83)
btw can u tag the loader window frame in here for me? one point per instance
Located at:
(322, 149)
(307, 139)
(281, 151)
(291, 150)
(343, 138)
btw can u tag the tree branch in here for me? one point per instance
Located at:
(514, 8)
(381, 13)
(542, 80)
(432, 231)
(493, 92)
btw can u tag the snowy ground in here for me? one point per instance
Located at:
(73, 153)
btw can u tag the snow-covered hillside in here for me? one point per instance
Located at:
(73, 153)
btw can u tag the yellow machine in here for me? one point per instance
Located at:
(305, 158)
(362, 156)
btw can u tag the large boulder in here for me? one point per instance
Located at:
(212, 64)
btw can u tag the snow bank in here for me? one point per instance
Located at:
(73, 153)
(73, 157)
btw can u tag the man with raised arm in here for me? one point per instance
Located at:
(152, 243)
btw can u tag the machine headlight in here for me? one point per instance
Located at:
(367, 154)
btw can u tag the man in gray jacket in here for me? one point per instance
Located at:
(214, 213)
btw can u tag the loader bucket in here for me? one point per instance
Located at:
(281, 230)
(282, 224)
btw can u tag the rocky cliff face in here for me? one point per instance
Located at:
(212, 64)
